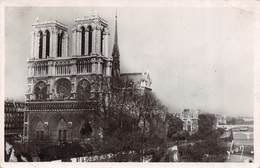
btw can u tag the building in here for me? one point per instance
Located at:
(221, 120)
(14, 115)
(142, 80)
(190, 120)
(68, 79)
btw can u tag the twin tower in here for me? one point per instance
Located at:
(68, 64)
(70, 74)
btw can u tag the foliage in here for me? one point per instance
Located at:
(207, 150)
(181, 135)
(207, 146)
(86, 130)
(129, 120)
(175, 126)
(206, 124)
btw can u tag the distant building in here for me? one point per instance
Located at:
(190, 120)
(141, 81)
(221, 120)
(14, 115)
(248, 119)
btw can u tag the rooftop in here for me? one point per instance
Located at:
(91, 17)
(38, 23)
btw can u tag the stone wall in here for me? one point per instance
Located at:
(73, 120)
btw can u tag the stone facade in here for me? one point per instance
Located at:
(70, 76)
(141, 81)
(64, 90)
(190, 120)
(221, 120)
(62, 121)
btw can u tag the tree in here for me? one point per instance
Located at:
(207, 144)
(207, 123)
(175, 125)
(132, 119)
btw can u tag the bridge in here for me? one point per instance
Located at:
(245, 127)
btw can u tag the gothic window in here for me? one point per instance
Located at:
(47, 43)
(104, 68)
(90, 30)
(40, 44)
(60, 37)
(40, 91)
(62, 136)
(101, 41)
(83, 89)
(62, 130)
(63, 88)
(82, 40)
(39, 131)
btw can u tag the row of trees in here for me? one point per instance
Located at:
(134, 120)
(237, 121)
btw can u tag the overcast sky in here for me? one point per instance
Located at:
(198, 58)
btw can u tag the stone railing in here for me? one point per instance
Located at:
(62, 105)
(60, 67)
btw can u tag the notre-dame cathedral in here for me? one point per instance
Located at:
(69, 71)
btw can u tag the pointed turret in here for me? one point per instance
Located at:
(116, 55)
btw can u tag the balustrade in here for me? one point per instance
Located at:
(40, 69)
(83, 66)
(60, 68)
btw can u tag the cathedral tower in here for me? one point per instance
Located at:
(64, 88)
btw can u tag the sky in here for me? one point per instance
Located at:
(198, 58)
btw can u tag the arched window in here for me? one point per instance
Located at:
(63, 88)
(60, 37)
(39, 131)
(62, 130)
(82, 40)
(90, 30)
(83, 90)
(40, 44)
(47, 43)
(40, 91)
(101, 41)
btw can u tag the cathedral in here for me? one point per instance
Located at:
(69, 74)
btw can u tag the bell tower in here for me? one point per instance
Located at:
(90, 37)
(49, 40)
(64, 89)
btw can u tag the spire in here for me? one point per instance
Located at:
(116, 54)
(116, 38)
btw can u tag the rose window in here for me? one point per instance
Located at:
(63, 88)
